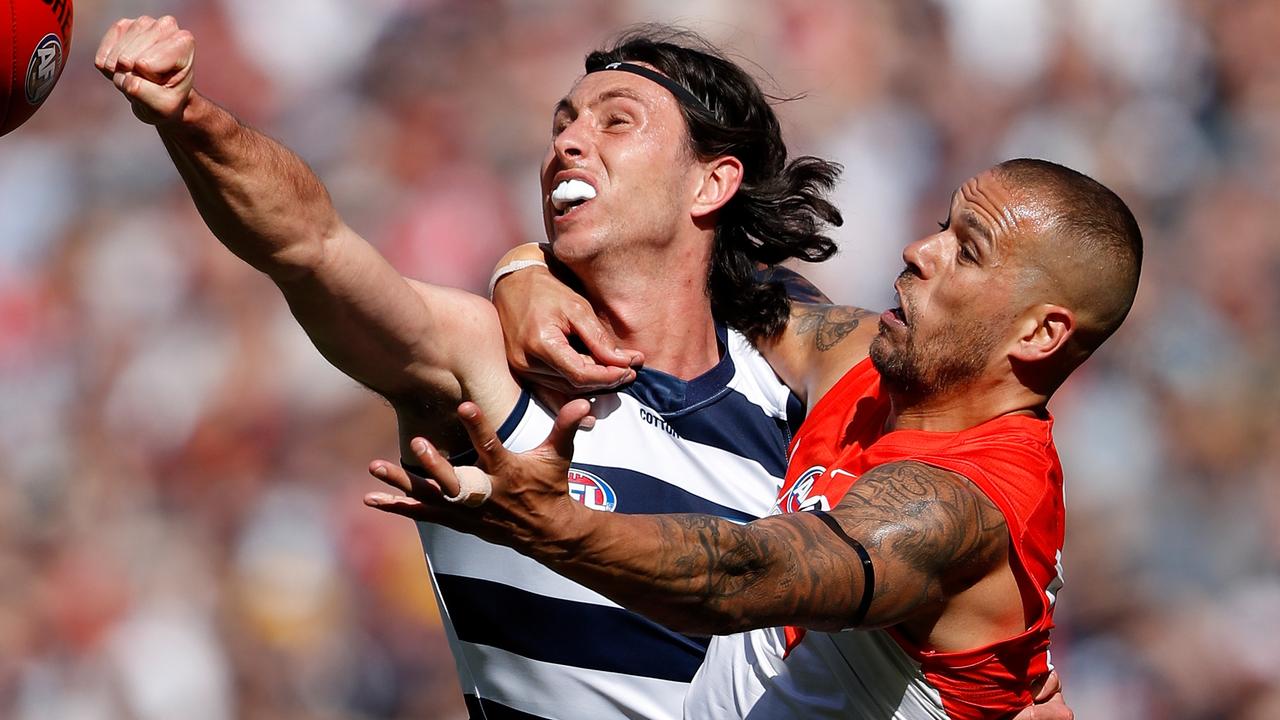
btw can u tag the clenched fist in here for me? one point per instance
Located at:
(151, 62)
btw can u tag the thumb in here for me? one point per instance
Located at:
(601, 342)
(566, 426)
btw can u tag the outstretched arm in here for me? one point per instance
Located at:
(411, 342)
(927, 534)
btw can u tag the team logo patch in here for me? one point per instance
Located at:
(591, 491)
(797, 499)
(42, 71)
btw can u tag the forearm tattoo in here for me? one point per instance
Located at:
(829, 324)
(928, 532)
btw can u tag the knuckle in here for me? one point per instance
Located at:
(546, 337)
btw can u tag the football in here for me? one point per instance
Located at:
(34, 41)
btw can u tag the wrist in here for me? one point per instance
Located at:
(512, 266)
(568, 533)
(198, 119)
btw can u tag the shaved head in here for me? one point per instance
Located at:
(1089, 249)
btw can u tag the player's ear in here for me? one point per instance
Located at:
(1042, 331)
(718, 181)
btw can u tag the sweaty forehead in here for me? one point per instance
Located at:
(1010, 214)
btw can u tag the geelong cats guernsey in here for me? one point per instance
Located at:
(529, 643)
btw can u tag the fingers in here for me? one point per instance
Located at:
(600, 340)
(109, 41)
(168, 60)
(400, 505)
(484, 438)
(1052, 686)
(398, 478)
(155, 49)
(566, 426)
(132, 31)
(579, 373)
(1049, 702)
(141, 36)
(439, 471)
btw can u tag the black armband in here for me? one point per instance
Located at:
(868, 571)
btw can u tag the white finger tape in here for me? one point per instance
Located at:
(474, 487)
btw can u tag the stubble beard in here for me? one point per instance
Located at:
(918, 369)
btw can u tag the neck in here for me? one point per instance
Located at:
(664, 314)
(962, 407)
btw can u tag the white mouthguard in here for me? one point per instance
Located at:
(571, 191)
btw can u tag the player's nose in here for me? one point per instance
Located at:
(922, 256)
(573, 142)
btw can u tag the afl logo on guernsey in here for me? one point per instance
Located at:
(797, 498)
(591, 491)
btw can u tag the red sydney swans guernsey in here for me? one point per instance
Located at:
(777, 672)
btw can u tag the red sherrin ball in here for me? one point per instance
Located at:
(35, 36)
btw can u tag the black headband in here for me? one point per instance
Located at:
(682, 93)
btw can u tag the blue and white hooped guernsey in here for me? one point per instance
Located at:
(529, 643)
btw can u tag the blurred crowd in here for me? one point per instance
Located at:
(181, 532)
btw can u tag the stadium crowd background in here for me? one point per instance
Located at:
(181, 533)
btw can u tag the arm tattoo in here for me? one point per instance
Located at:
(931, 531)
(830, 324)
(928, 532)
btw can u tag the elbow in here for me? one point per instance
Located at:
(304, 257)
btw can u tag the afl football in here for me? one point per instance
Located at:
(35, 36)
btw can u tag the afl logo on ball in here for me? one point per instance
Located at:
(42, 71)
(591, 491)
(798, 498)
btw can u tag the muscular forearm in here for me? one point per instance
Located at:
(258, 198)
(697, 573)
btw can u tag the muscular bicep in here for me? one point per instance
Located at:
(929, 534)
(820, 343)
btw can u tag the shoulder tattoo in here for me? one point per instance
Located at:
(829, 324)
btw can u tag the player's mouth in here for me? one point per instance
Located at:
(894, 317)
(570, 194)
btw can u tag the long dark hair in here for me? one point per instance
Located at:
(780, 210)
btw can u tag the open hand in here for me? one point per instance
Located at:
(509, 499)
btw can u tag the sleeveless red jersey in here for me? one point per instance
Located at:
(1012, 460)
